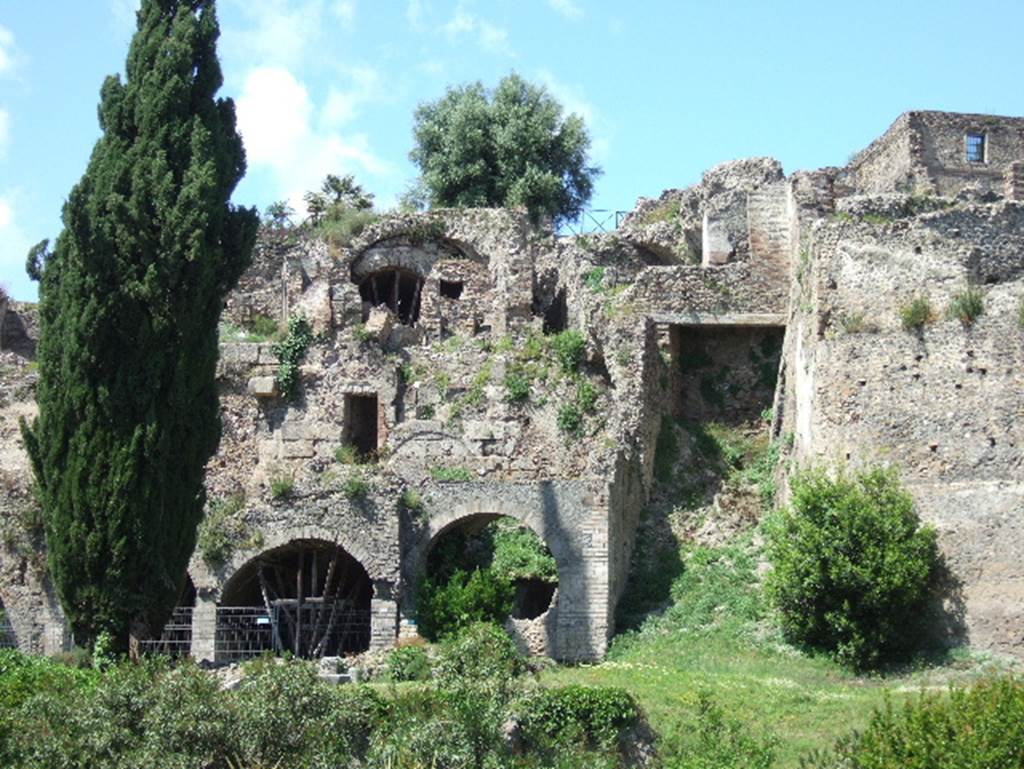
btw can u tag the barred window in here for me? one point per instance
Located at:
(975, 148)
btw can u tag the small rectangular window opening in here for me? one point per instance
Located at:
(975, 148)
(451, 289)
(360, 428)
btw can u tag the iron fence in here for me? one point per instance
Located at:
(7, 639)
(314, 630)
(594, 220)
(176, 638)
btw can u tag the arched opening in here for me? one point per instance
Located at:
(494, 563)
(175, 639)
(309, 597)
(398, 289)
(7, 639)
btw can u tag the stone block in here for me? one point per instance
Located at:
(263, 387)
(297, 450)
(716, 245)
(379, 325)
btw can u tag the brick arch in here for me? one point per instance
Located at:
(416, 560)
(397, 251)
(279, 537)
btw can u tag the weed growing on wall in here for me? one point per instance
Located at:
(917, 313)
(290, 351)
(967, 305)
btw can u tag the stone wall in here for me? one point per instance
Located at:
(942, 405)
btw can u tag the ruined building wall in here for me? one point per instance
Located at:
(943, 405)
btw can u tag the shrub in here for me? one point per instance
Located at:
(574, 715)
(967, 305)
(342, 225)
(465, 598)
(517, 385)
(407, 663)
(917, 313)
(356, 487)
(569, 348)
(712, 740)
(290, 351)
(282, 485)
(347, 454)
(520, 554)
(411, 501)
(570, 419)
(978, 727)
(447, 474)
(479, 651)
(852, 565)
(219, 529)
(594, 279)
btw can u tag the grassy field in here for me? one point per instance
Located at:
(700, 624)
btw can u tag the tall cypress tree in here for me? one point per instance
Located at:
(129, 305)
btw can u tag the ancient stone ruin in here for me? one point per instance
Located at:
(432, 357)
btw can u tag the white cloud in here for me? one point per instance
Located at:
(123, 13)
(7, 51)
(568, 8)
(5, 132)
(414, 13)
(14, 245)
(488, 36)
(342, 106)
(574, 102)
(285, 133)
(345, 10)
(286, 32)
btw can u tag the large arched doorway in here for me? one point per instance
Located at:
(307, 597)
(397, 289)
(507, 550)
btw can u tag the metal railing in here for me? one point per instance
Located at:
(7, 639)
(176, 638)
(594, 220)
(244, 632)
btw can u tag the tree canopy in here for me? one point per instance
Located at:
(510, 147)
(129, 304)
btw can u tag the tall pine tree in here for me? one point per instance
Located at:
(129, 305)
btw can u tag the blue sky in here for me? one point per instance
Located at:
(668, 89)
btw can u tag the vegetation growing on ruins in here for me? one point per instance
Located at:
(967, 305)
(130, 299)
(917, 313)
(512, 146)
(852, 566)
(290, 352)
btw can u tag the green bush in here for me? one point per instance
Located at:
(355, 487)
(967, 305)
(852, 565)
(576, 715)
(342, 224)
(517, 385)
(518, 553)
(917, 313)
(290, 352)
(450, 474)
(594, 278)
(570, 419)
(407, 663)
(712, 741)
(465, 598)
(977, 728)
(569, 347)
(477, 652)
(220, 529)
(282, 485)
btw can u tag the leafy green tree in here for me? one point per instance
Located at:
(512, 147)
(129, 304)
